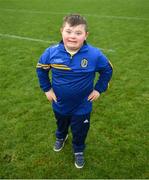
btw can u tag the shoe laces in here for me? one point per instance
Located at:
(59, 141)
(79, 157)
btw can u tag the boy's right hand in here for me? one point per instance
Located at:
(51, 95)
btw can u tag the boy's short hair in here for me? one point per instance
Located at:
(74, 20)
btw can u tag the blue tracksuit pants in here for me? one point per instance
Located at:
(79, 127)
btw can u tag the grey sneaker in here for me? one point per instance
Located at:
(59, 144)
(79, 160)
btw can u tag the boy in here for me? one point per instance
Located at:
(73, 63)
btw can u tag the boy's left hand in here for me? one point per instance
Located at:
(93, 96)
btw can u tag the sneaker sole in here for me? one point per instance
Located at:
(57, 150)
(79, 167)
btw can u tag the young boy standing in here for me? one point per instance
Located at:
(73, 63)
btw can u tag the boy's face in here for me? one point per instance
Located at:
(73, 36)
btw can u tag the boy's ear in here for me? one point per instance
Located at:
(87, 33)
(61, 29)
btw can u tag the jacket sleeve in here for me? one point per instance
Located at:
(104, 67)
(42, 70)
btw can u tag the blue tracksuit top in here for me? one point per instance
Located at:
(73, 76)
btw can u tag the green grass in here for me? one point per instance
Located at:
(117, 143)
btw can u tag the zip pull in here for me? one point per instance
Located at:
(71, 53)
(71, 56)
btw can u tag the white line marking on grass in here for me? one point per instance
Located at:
(108, 50)
(40, 40)
(32, 11)
(91, 15)
(118, 17)
(26, 38)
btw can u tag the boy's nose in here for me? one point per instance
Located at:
(72, 35)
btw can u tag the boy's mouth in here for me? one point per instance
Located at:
(72, 41)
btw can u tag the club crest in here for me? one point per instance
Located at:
(84, 63)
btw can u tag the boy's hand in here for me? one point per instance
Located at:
(93, 96)
(51, 95)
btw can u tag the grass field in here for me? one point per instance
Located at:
(117, 143)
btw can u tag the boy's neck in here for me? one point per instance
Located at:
(72, 52)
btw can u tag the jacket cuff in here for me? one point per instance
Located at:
(46, 89)
(100, 90)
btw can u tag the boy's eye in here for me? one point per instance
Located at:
(78, 33)
(68, 32)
